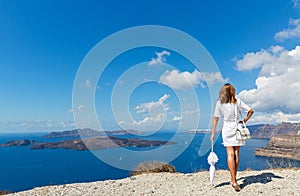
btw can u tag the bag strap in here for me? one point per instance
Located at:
(236, 111)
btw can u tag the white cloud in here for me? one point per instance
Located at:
(183, 80)
(150, 106)
(155, 115)
(38, 125)
(278, 85)
(149, 121)
(274, 118)
(214, 77)
(160, 57)
(293, 30)
(273, 62)
(255, 60)
(277, 92)
(163, 98)
(88, 83)
(176, 118)
(79, 108)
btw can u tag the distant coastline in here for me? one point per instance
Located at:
(282, 139)
(201, 131)
(92, 140)
(87, 132)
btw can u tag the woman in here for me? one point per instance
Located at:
(226, 106)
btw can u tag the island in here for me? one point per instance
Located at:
(87, 132)
(18, 143)
(93, 143)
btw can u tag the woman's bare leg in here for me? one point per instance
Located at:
(236, 157)
(231, 161)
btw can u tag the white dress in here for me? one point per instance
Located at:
(230, 125)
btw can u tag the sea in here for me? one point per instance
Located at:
(22, 168)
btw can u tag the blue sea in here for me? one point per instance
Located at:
(22, 168)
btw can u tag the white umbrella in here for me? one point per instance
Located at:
(212, 159)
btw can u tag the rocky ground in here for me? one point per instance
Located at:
(266, 182)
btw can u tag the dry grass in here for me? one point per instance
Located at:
(248, 169)
(4, 192)
(152, 167)
(281, 163)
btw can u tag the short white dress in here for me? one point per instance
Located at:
(227, 110)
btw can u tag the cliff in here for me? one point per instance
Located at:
(285, 146)
(267, 131)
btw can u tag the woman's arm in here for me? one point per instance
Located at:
(250, 112)
(212, 137)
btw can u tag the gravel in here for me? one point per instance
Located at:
(265, 182)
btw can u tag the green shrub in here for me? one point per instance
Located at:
(152, 167)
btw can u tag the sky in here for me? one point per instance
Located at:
(255, 45)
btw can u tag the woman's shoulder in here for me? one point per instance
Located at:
(242, 104)
(238, 100)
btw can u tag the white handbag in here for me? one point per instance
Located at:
(242, 132)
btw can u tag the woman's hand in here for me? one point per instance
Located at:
(212, 137)
(251, 111)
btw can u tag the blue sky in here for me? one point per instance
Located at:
(255, 44)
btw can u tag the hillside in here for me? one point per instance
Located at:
(285, 146)
(267, 131)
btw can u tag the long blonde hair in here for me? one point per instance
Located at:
(227, 94)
